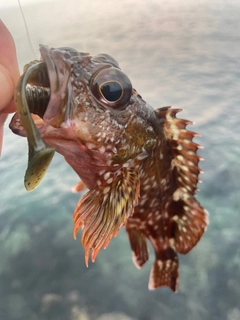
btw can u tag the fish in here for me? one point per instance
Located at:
(137, 165)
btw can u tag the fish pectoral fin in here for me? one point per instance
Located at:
(139, 246)
(189, 222)
(164, 270)
(103, 211)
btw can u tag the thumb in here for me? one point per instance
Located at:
(6, 90)
(9, 72)
(6, 98)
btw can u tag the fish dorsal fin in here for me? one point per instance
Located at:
(104, 210)
(188, 218)
(184, 150)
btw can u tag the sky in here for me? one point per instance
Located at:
(15, 3)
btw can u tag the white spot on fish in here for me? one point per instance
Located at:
(99, 182)
(102, 149)
(106, 175)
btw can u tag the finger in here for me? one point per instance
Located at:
(6, 88)
(9, 75)
(3, 117)
(6, 98)
(8, 57)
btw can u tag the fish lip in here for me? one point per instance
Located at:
(59, 72)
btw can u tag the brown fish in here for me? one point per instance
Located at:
(139, 164)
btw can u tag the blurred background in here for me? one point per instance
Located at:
(180, 53)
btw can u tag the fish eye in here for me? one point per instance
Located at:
(112, 91)
(112, 88)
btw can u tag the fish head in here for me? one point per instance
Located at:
(95, 103)
(91, 107)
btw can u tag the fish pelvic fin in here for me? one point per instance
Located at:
(79, 187)
(101, 212)
(164, 270)
(138, 243)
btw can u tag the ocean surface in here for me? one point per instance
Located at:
(180, 53)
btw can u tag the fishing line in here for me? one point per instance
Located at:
(26, 28)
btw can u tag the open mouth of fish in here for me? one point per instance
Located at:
(47, 86)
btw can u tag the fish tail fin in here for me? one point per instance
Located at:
(164, 270)
(138, 245)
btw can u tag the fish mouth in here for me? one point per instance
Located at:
(48, 90)
(58, 71)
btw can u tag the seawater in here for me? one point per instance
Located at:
(180, 53)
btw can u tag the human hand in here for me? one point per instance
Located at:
(9, 75)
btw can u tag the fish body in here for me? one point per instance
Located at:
(140, 165)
